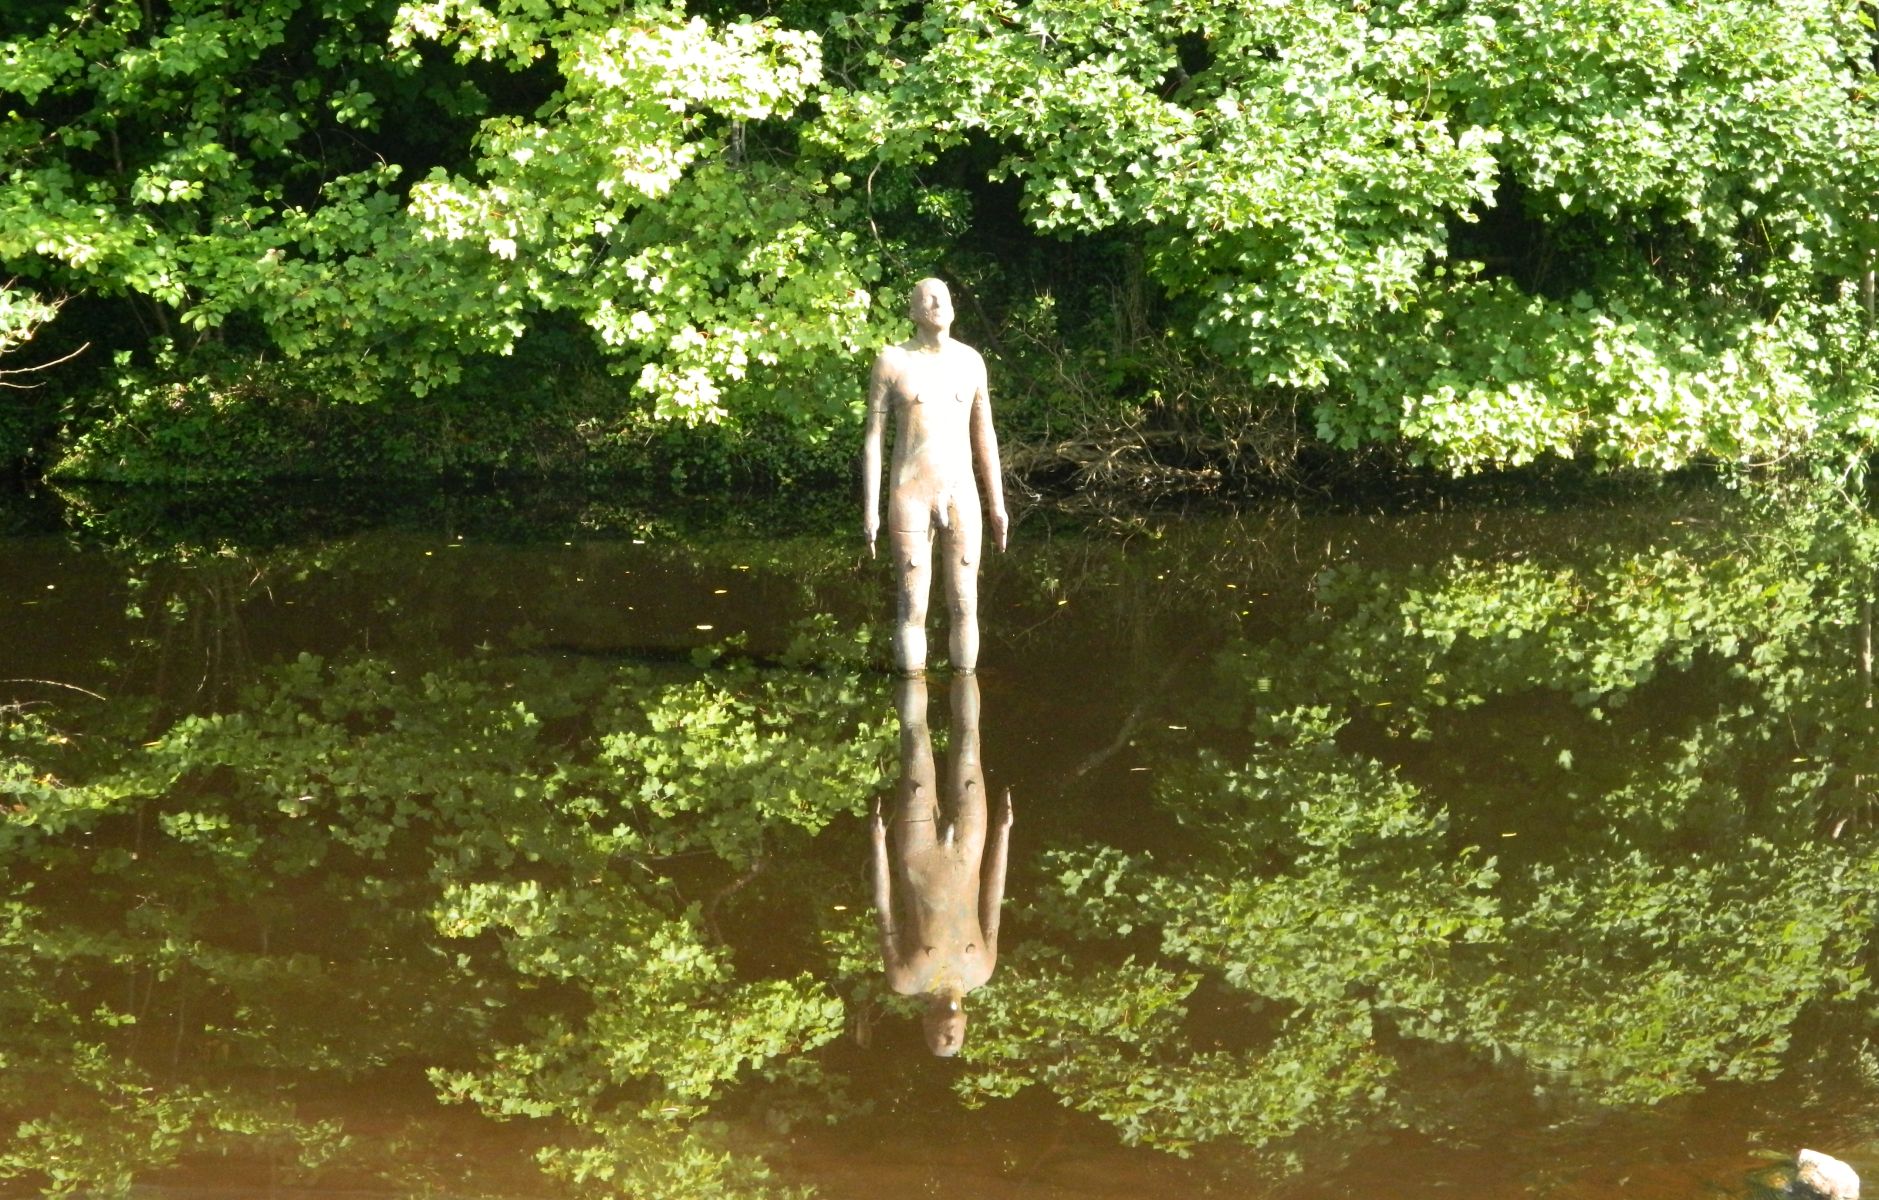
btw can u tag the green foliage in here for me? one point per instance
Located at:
(1305, 178)
(481, 814)
(1486, 233)
(201, 183)
(1588, 818)
(193, 178)
(1111, 1042)
(636, 199)
(22, 425)
(21, 315)
(1685, 911)
(733, 755)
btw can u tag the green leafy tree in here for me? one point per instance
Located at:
(1485, 233)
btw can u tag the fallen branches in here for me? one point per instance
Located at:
(1151, 462)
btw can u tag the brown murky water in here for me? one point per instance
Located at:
(482, 848)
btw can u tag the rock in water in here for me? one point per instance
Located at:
(1816, 1174)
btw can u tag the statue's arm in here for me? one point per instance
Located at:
(874, 433)
(883, 894)
(992, 885)
(985, 456)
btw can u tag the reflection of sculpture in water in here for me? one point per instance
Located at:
(942, 428)
(936, 899)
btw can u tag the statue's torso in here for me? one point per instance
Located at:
(931, 396)
(941, 941)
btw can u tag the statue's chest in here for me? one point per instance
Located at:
(935, 382)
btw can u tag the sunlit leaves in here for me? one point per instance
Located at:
(1493, 233)
(513, 815)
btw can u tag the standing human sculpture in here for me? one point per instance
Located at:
(936, 390)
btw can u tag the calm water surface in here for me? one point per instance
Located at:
(482, 847)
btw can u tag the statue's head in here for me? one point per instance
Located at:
(945, 1022)
(932, 305)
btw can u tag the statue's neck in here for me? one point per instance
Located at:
(931, 341)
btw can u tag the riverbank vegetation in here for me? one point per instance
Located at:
(1199, 241)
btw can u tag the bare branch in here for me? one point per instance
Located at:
(27, 387)
(55, 683)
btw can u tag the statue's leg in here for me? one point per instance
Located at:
(961, 550)
(916, 803)
(913, 571)
(968, 772)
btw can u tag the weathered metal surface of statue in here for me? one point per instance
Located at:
(935, 388)
(937, 892)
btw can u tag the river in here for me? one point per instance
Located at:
(518, 846)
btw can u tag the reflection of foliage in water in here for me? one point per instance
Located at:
(546, 884)
(495, 851)
(1637, 894)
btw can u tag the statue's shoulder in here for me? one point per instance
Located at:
(890, 357)
(886, 370)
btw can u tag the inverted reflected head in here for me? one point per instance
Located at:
(944, 1023)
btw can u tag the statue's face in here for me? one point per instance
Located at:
(945, 1025)
(932, 306)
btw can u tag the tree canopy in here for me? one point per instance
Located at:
(1483, 232)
